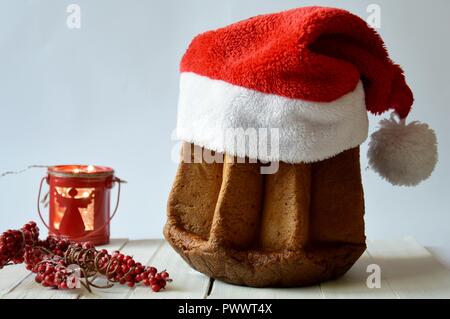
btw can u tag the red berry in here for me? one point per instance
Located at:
(156, 288)
(152, 270)
(164, 275)
(124, 269)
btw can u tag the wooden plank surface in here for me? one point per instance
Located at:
(187, 283)
(10, 277)
(410, 269)
(221, 290)
(28, 288)
(407, 271)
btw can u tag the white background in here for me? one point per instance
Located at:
(107, 94)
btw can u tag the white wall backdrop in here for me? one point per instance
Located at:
(107, 93)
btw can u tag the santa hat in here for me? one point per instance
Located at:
(313, 73)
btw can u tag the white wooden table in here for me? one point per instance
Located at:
(407, 271)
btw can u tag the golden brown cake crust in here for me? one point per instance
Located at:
(300, 226)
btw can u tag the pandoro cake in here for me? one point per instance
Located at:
(299, 226)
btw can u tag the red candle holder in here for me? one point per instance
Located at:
(79, 202)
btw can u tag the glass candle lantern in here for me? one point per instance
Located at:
(79, 202)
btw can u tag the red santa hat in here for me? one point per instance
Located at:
(313, 73)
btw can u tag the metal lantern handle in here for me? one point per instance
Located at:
(39, 203)
(115, 179)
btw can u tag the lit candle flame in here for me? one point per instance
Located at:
(90, 168)
(76, 170)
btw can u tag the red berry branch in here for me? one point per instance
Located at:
(59, 263)
(14, 242)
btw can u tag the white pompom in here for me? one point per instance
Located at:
(403, 154)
